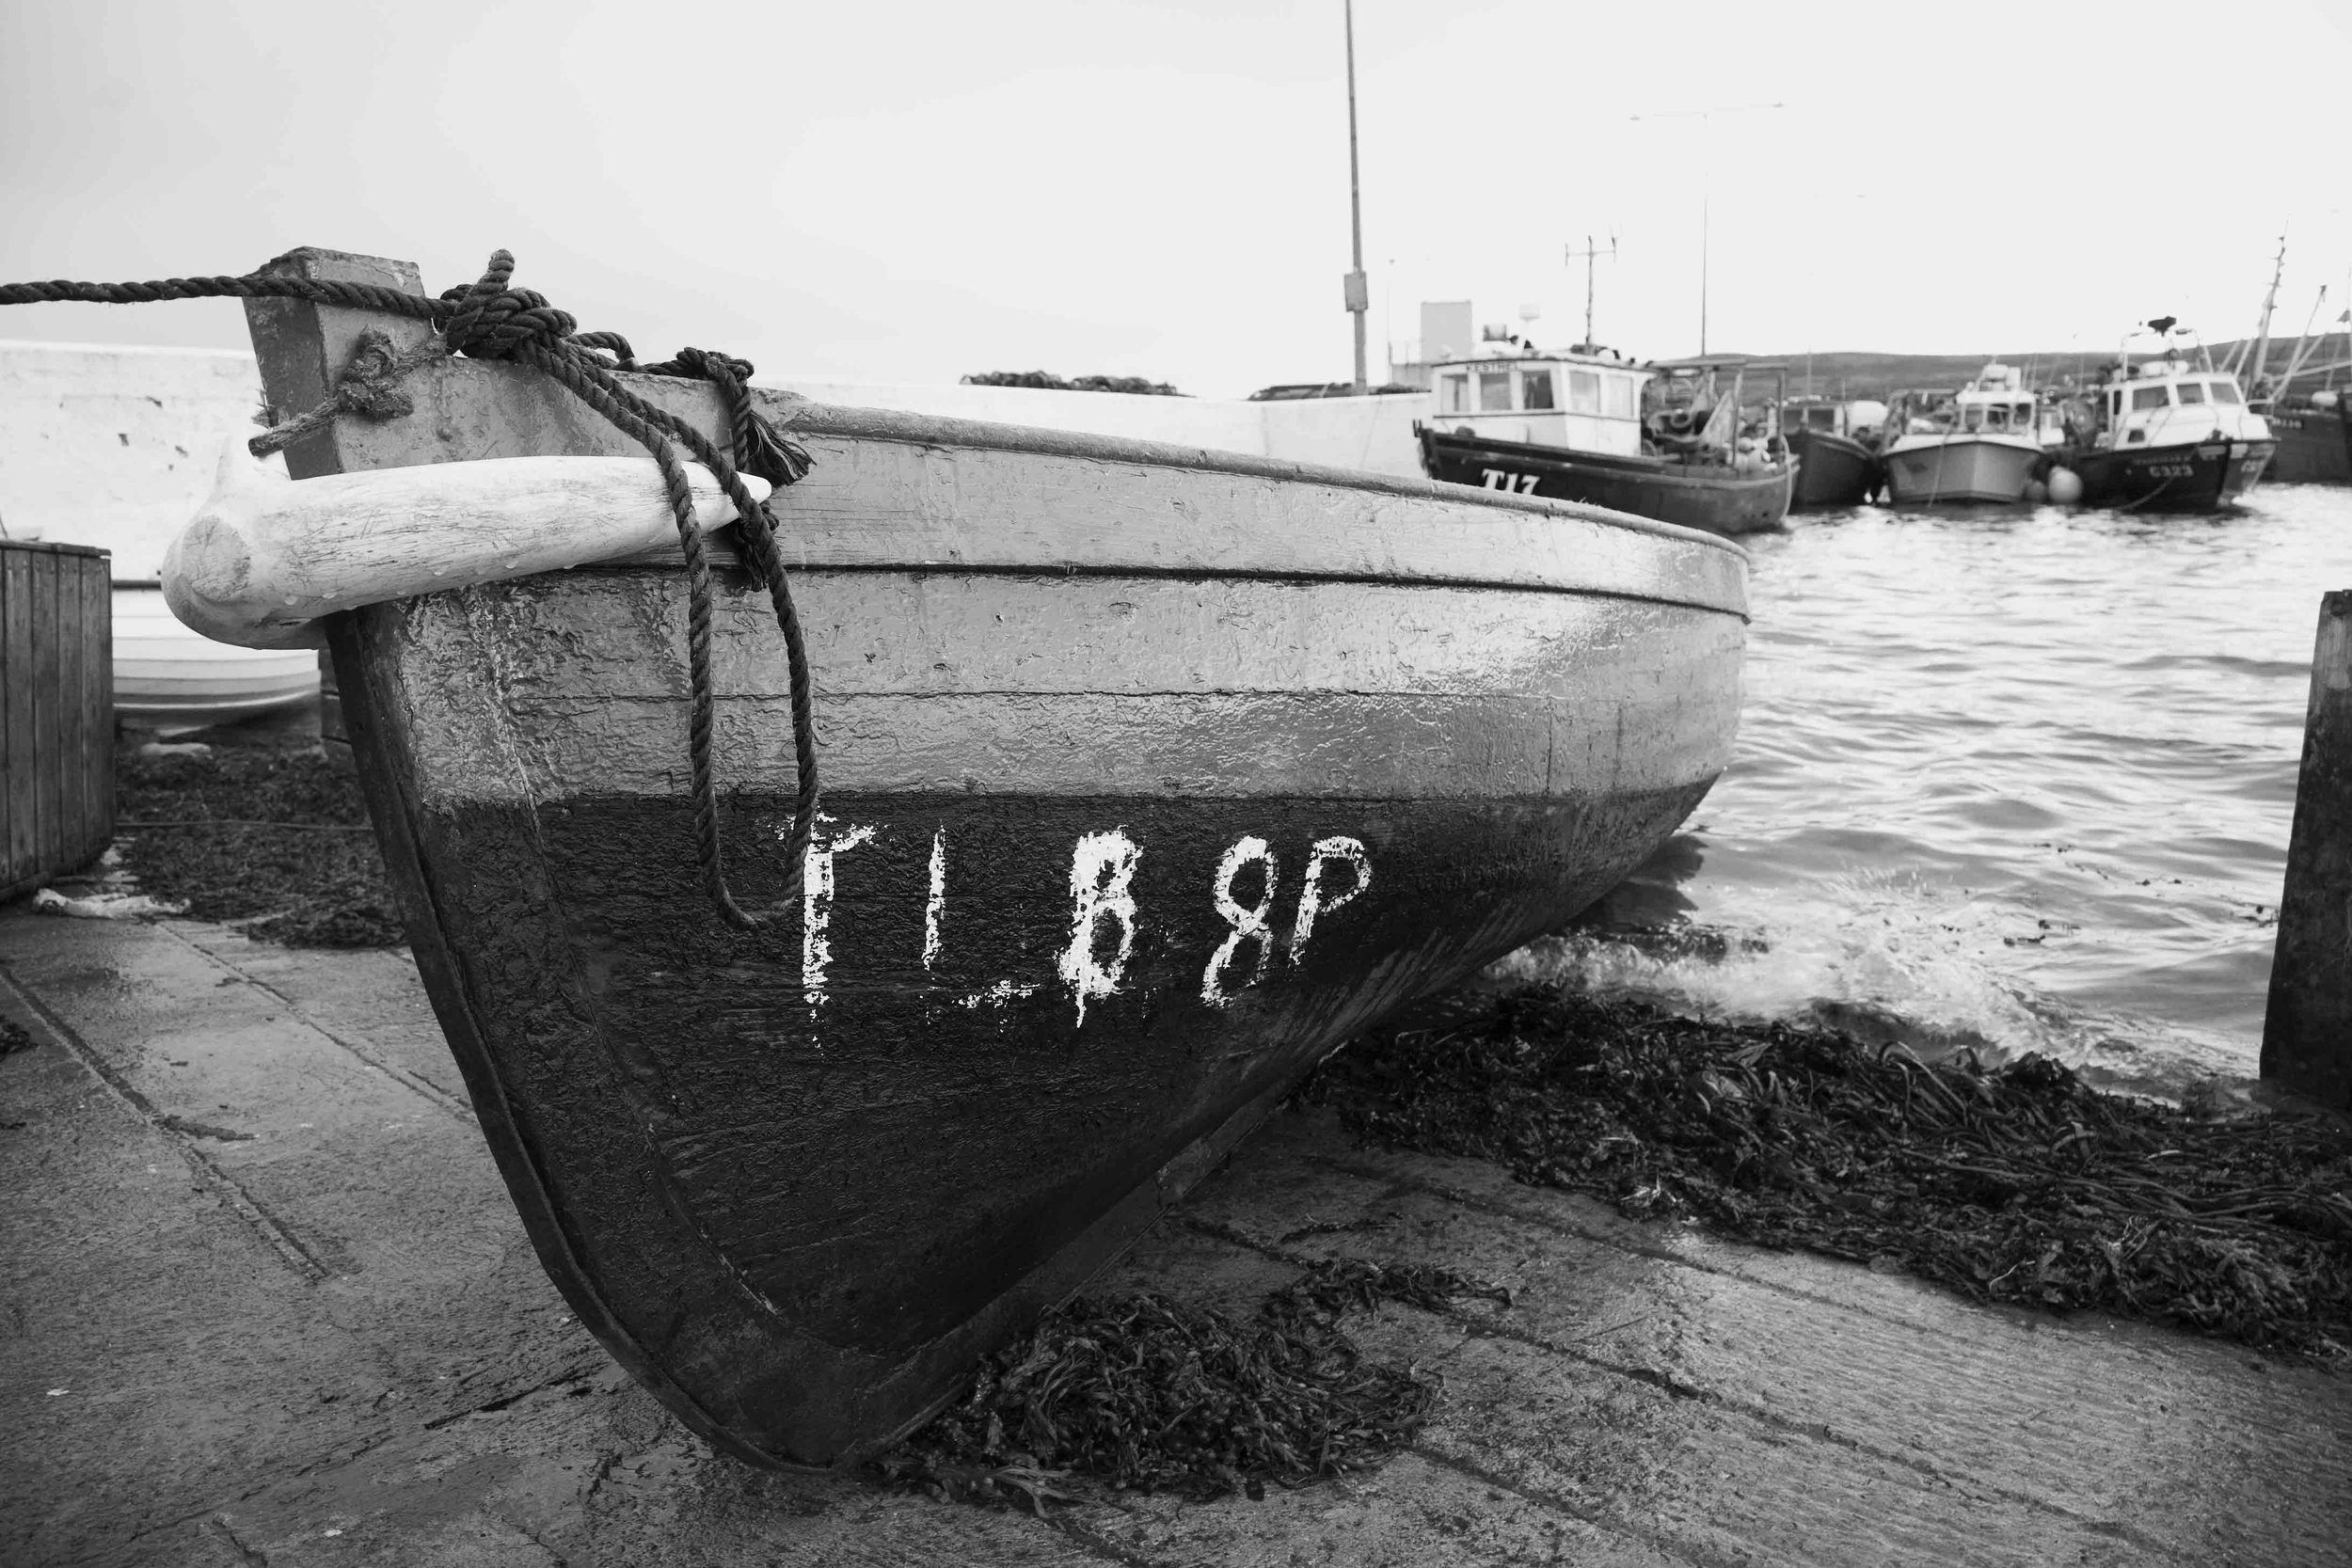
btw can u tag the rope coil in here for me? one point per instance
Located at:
(492, 320)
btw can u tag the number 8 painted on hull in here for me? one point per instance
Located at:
(1256, 924)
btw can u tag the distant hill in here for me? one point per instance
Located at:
(1874, 375)
(1849, 374)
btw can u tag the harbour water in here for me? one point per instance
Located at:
(2014, 778)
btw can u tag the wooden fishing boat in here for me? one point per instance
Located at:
(1151, 774)
(1987, 442)
(1834, 446)
(1585, 425)
(2314, 441)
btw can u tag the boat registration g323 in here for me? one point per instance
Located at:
(1151, 775)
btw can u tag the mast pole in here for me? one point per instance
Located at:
(1703, 204)
(1358, 295)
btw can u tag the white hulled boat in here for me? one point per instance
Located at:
(1984, 443)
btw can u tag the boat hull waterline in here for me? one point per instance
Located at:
(1150, 777)
(1720, 502)
(1929, 469)
(2199, 478)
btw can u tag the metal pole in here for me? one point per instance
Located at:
(1358, 296)
(1703, 202)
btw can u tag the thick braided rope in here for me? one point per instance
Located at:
(491, 320)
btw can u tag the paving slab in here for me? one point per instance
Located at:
(265, 1302)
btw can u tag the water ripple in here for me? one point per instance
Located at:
(2018, 780)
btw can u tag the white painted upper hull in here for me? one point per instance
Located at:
(168, 675)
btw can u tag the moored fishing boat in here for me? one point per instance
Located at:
(1987, 442)
(2314, 441)
(2170, 433)
(1834, 448)
(1584, 425)
(1151, 774)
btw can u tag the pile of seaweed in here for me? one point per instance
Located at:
(271, 838)
(1144, 1393)
(2011, 1183)
(1136, 385)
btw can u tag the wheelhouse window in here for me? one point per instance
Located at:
(1494, 392)
(2190, 392)
(1618, 392)
(1995, 416)
(2149, 397)
(2022, 414)
(1584, 391)
(1535, 389)
(1821, 418)
(1972, 416)
(1454, 394)
(2226, 392)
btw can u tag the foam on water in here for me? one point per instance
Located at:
(2014, 778)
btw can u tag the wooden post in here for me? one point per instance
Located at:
(2307, 1033)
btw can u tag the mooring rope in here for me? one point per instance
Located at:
(493, 320)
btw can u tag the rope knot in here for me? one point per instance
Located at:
(494, 321)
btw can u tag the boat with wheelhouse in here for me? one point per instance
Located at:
(1682, 442)
(2170, 432)
(1984, 443)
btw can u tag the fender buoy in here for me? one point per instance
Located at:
(2035, 492)
(2066, 486)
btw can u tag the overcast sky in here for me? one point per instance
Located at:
(1159, 187)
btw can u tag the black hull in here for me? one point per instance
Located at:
(2202, 478)
(1715, 500)
(1832, 471)
(2314, 447)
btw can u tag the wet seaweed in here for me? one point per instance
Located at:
(273, 839)
(2014, 1183)
(1145, 1393)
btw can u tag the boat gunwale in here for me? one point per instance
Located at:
(888, 425)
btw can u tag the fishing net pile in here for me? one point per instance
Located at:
(2014, 1183)
(1146, 1393)
(270, 839)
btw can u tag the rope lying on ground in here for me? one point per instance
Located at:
(492, 320)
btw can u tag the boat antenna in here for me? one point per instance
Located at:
(1359, 293)
(1706, 118)
(1587, 255)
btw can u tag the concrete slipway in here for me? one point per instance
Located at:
(265, 1303)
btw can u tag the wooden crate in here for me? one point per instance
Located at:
(57, 711)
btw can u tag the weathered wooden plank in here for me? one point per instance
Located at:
(98, 776)
(48, 714)
(2306, 1031)
(21, 783)
(72, 725)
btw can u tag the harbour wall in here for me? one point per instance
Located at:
(116, 447)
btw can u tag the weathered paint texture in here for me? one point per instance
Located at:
(1150, 776)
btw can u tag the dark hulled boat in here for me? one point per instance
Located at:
(2315, 444)
(1834, 448)
(1584, 425)
(1151, 775)
(1716, 500)
(2169, 434)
